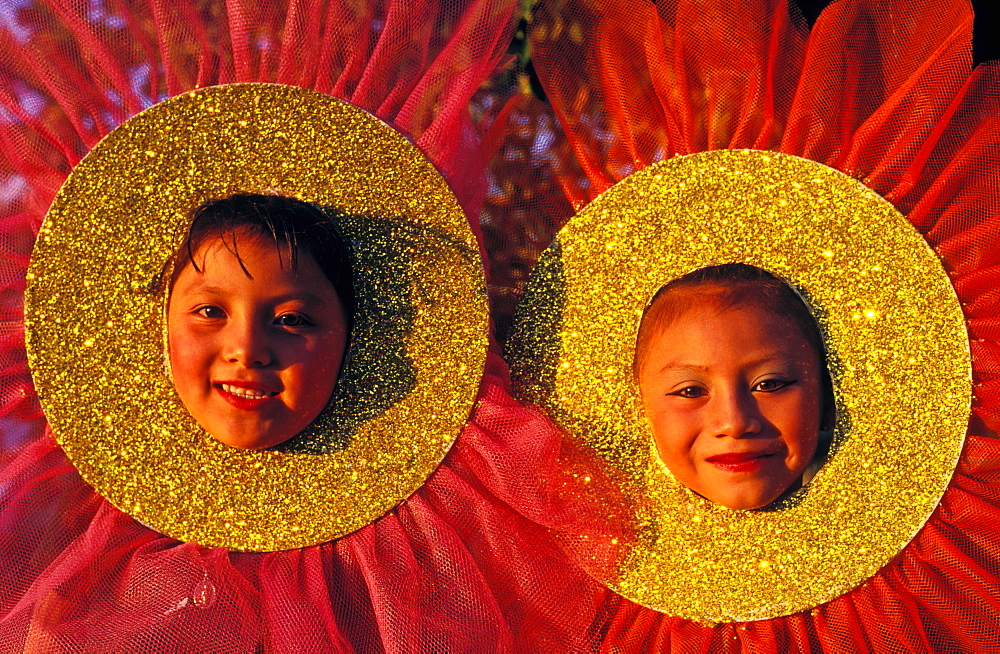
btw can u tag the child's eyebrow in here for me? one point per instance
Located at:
(681, 367)
(302, 296)
(207, 290)
(777, 359)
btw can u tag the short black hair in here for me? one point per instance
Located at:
(293, 226)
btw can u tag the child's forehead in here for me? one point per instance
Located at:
(696, 302)
(243, 237)
(219, 262)
(704, 308)
(243, 247)
(711, 310)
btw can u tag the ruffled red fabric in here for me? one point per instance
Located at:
(466, 563)
(458, 566)
(883, 90)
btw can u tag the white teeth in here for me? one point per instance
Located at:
(246, 392)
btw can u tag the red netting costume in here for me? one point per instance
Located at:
(884, 91)
(462, 565)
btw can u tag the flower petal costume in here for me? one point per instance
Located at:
(884, 92)
(462, 562)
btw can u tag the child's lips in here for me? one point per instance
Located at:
(740, 461)
(245, 395)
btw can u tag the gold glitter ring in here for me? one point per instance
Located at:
(95, 317)
(898, 351)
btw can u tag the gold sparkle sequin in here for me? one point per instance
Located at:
(96, 333)
(899, 356)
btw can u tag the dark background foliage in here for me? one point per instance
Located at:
(985, 39)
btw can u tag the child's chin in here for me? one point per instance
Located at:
(746, 500)
(244, 441)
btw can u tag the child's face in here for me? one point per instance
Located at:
(733, 397)
(254, 360)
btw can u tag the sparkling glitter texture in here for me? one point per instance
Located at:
(95, 307)
(898, 354)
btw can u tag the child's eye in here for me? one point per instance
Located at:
(772, 385)
(690, 392)
(210, 311)
(293, 320)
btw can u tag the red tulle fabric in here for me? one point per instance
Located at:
(458, 566)
(881, 89)
(466, 563)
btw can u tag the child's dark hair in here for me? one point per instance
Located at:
(732, 285)
(292, 225)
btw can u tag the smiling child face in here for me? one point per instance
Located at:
(734, 400)
(254, 357)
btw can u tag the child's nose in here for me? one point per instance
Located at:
(247, 345)
(735, 415)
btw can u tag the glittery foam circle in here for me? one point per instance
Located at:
(96, 329)
(898, 354)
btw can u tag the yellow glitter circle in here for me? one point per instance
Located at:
(96, 332)
(898, 351)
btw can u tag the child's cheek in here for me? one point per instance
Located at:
(189, 354)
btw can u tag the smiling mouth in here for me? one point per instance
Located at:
(245, 396)
(249, 393)
(740, 461)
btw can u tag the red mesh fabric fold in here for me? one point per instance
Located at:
(466, 563)
(881, 90)
(73, 70)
